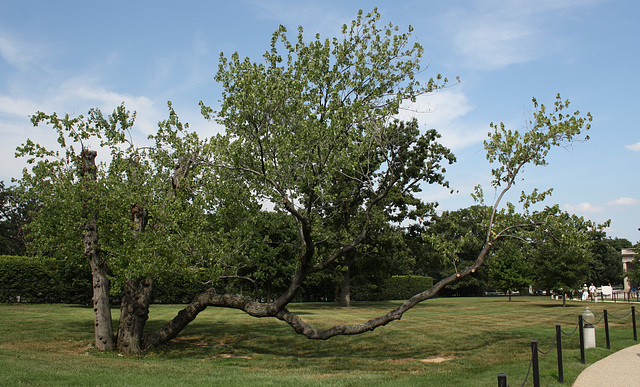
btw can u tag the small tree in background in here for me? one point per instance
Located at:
(510, 267)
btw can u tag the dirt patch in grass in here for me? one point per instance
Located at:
(433, 359)
(66, 347)
(437, 359)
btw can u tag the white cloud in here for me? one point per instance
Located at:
(633, 147)
(17, 107)
(12, 52)
(495, 34)
(19, 53)
(493, 43)
(315, 18)
(74, 97)
(623, 201)
(444, 111)
(583, 208)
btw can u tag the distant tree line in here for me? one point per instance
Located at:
(406, 256)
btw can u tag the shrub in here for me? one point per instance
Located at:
(399, 287)
(27, 279)
(404, 287)
(37, 279)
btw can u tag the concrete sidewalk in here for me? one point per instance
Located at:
(621, 369)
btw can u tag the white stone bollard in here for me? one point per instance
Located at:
(589, 336)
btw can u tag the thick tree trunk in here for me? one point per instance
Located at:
(209, 298)
(134, 312)
(200, 303)
(134, 305)
(103, 325)
(101, 305)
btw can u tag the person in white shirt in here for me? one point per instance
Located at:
(592, 292)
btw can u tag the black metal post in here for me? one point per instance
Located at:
(534, 362)
(633, 320)
(502, 380)
(559, 347)
(606, 328)
(580, 328)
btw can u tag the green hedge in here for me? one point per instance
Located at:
(27, 279)
(36, 279)
(404, 287)
(395, 288)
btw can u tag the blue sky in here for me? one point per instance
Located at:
(70, 56)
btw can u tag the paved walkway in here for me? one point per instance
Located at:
(621, 369)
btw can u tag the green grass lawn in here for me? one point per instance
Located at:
(447, 341)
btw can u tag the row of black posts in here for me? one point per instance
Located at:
(534, 366)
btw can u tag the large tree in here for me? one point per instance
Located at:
(323, 111)
(605, 265)
(136, 218)
(561, 250)
(314, 115)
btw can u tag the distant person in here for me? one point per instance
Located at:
(592, 292)
(585, 292)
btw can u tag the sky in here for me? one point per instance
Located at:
(71, 56)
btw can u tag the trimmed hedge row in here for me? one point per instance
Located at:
(401, 287)
(36, 279)
(26, 279)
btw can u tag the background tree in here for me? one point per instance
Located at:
(267, 256)
(454, 239)
(561, 253)
(13, 216)
(510, 267)
(633, 273)
(605, 265)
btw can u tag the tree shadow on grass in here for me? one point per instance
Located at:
(559, 306)
(275, 339)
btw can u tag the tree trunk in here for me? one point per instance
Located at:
(103, 325)
(208, 298)
(345, 290)
(134, 312)
(345, 285)
(101, 305)
(134, 306)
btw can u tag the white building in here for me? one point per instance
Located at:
(628, 255)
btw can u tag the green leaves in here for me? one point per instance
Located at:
(160, 210)
(319, 111)
(511, 150)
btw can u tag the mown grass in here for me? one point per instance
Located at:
(450, 341)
